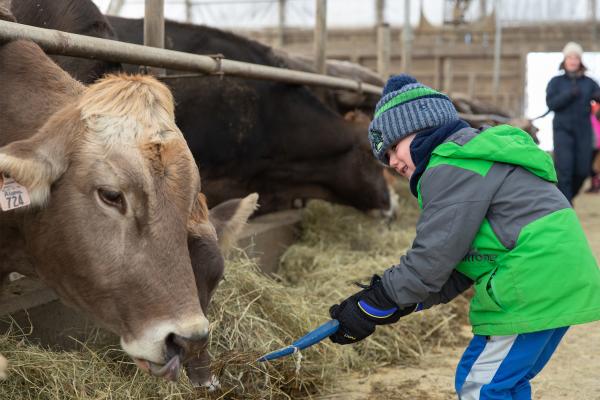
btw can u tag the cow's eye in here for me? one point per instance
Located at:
(112, 198)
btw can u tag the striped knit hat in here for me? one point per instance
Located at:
(406, 107)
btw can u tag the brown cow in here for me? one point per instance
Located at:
(117, 225)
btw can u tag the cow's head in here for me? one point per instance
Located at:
(115, 201)
(314, 153)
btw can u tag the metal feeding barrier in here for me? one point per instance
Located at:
(70, 44)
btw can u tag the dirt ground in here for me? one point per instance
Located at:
(571, 374)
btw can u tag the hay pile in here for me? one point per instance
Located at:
(252, 314)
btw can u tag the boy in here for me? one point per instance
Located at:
(492, 217)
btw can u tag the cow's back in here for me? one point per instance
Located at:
(198, 39)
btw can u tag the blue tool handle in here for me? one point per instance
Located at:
(286, 351)
(312, 337)
(324, 331)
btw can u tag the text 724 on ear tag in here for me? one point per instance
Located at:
(12, 195)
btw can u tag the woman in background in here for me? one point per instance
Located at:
(569, 95)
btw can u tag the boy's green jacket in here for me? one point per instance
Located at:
(493, 216)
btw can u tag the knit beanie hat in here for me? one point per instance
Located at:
(573, 48)
(406, 107)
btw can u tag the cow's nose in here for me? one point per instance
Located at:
(185, 347)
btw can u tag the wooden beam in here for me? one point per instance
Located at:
(437, 74)
(447, 68)
(523, 82)
(154, 23)
(497, 51)
(379, 12)
(383, 50)
(406, 39)
(154, 27)
(593, 5)
(281, 24)
(471, 84)
(320, 37)
(383, 40)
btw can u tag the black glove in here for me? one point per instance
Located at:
(360, 313)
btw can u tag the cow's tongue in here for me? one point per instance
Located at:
(169, 371)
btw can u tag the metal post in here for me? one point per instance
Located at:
(154, 27)
(383, 50)
(497, 53)
(406, 39)
(281, 24)
(320, 36)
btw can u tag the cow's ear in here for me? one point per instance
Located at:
(229, 218)
(199, 224)
(38, 161)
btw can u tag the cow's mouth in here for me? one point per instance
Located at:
(168, 371)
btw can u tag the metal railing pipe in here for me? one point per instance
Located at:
(70, 44)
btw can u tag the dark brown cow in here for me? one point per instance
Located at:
(117, 225)
(275, 139)
(82, 17)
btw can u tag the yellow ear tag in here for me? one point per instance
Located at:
(12, 195)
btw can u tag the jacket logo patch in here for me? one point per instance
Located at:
(475, 256)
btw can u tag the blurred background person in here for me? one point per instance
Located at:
(569, 95)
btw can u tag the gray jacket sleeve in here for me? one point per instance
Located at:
(455, 203)
(455, 285)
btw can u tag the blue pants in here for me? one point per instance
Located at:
(500, 367)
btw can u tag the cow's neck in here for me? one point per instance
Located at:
(32, 88)
(13, 254)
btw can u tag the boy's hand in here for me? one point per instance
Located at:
(360, 313)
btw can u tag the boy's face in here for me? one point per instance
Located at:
(400, 158)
